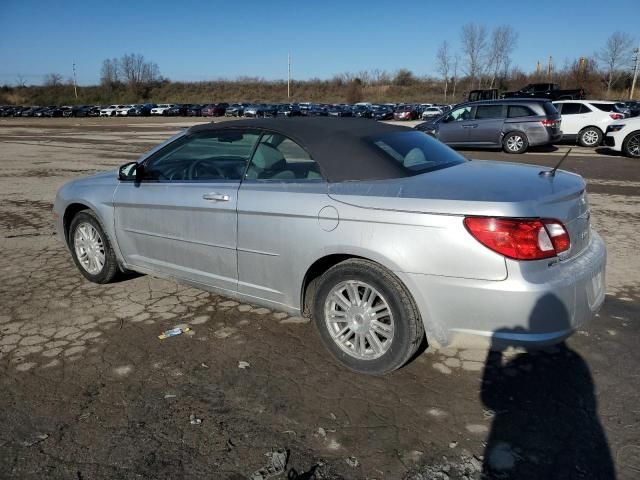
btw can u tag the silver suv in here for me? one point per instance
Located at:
(511, 124)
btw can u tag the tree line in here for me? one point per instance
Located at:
(483, 58)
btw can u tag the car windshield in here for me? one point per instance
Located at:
(416, 152)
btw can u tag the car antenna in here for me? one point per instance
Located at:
(552, 173)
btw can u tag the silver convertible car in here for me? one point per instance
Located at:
(384, 235)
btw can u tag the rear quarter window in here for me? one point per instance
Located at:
(516, 111)
(416, 152)
(605, 107)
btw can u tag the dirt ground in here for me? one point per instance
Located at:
(88, 391)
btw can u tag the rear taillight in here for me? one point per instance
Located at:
(549, 123)
(616, 116)
(520, 239)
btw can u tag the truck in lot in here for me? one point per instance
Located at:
(549, 91)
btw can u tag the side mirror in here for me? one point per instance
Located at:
(446, 119)
(129, 172)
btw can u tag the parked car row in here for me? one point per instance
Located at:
(387, 111)
(515, 124)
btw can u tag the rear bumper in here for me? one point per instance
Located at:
(533, 307)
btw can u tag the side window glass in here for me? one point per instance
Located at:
(570, 108)
(203, 156)
(488, 111)
(459, 114)
(280, 158)
(519, 111)
(584, 109)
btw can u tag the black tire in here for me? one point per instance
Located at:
(515, 142)
(631, 145)
(590, 137)
(110, 269)
(408, 330)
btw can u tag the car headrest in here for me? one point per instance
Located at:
(414, 157)
(267, 157)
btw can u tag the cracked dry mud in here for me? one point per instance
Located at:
(87, 390)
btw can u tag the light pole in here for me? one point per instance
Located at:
(289, 75)
(75, 83)
(636, 60)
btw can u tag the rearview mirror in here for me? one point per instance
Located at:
(129, 172)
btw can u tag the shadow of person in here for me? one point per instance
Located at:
(545, 420)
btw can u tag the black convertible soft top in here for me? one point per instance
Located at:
(340, 146)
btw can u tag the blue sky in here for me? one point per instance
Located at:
(198, 40)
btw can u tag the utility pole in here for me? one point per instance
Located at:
(636, 60)
(550, 68)
(289, 75)
(75, 83)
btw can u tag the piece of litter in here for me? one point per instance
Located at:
(453, 444)
(37, 439)
(322, 432)
(352, 462)
(170, 395)
(204, 365)
(333, 416)
(242, 364)
(276, 465)
(194, 420)
(173, 332)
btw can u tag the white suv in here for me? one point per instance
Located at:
(586, 120)
(161, 109)
(110, 111)
(624, 135)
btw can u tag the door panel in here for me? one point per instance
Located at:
(486, 131)
(277, 221)
(174, 229)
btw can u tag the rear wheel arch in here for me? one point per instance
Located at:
(510, 133)
(590, 127)
(369, 274)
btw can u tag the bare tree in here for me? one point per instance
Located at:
(456, 61)
(503, 41)
(474, 45)
(109, 72)
(443, 60)
(52, 80)
(613, 55)
(21, 82)
(135, 70)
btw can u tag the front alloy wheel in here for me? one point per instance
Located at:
(631, 145)
(90, 248)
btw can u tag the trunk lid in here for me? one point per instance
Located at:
(483, 188)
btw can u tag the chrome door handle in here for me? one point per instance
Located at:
(215, 196)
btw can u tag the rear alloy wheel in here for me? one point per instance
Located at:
(366, 318)
(91, 249)
(590, 137)
(631, 145)
(515, 142)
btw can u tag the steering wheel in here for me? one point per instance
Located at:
(206, 167)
